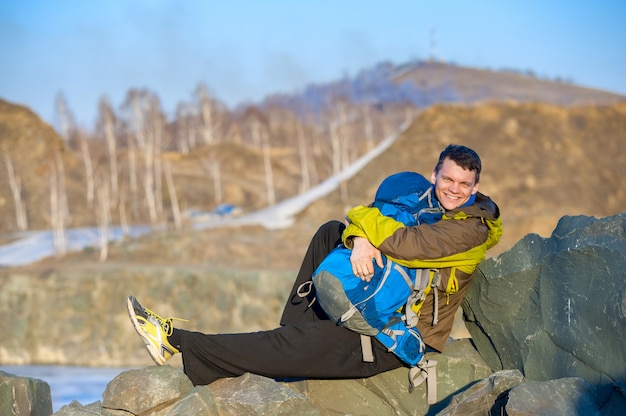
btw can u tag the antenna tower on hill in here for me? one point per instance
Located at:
(433, 44)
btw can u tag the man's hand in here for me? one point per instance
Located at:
(363, 252)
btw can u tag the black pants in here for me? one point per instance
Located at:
(306, 345)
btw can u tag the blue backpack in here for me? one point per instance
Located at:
(383, 307)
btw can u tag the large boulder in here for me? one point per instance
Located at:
(508, 392)
(146, 391)
(484, 397)
(23, 396)
(568, 396)
(555, 307)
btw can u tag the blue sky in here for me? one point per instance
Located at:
(244, 50)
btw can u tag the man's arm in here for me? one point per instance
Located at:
(427, 241)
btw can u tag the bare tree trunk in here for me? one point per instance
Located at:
(335, 145)
(133, 177)
(56, 212)
(269, 175)
(15, 183)
(207, 119)
(122, 212)
(84, 148)
(262, 138)
(109, 134)
(212, 166)
(63, 203)
(209, 114)
(209, 128)
(145, 143)
(305, 184)
(315, 153)
(171, 188)
(183, 131)
(369, 129)
(158, 133)
(340, 147)
(148, 182)
(103, 213)
(65, 118)
(216, 174)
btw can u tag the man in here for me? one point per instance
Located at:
(308, 344)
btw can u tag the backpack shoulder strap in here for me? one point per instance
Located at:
(425, 371)
(422, 283)
(366, 348)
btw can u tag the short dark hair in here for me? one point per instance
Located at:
(462, 156)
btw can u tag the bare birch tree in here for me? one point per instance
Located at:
(184, 133)
(145, 143)
(66, 121)
(171, 188)
(61, 180)
(267, 167)
(146, 139)
(212, 165)
(15, 183)
(303, 154)
(157, 130)
(209, 114)
(210, 126)
(369, 128)
(339, 144)
(107, 121)
(57, 208)
(261, 137)
(89, 171)
(133, 177)
(103, 215)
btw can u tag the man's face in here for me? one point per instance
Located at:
(453, 185)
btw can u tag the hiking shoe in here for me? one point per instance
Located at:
(153, 330)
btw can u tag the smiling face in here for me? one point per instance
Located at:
(453, 185)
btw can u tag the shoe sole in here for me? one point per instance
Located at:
(154, 353)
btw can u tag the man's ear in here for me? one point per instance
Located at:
(475, 188)
(433, 177)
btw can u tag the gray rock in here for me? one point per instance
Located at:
(255, 395)
(481, 398)
(145, 391)
(387, 393)
(555, 307)
(199, 401)
(23, 396)
(77, 409)
(566, 396)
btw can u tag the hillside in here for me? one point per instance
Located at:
(426, 83)
(540, 162)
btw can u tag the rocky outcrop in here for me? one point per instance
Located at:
(508, 392)
(23, 396)
(555, 307)
(167, 391)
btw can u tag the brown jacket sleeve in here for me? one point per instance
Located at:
(432, 241)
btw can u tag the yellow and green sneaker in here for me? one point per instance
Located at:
(153, 330)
